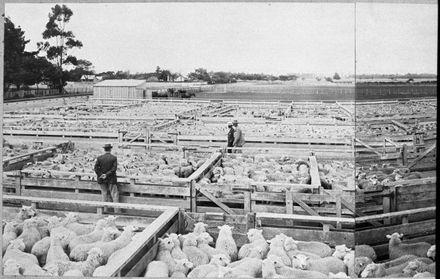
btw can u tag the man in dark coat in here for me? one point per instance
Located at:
(238, 137)
(230, 137)
(105, 169)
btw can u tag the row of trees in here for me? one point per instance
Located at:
(51, 63)
(228, 77)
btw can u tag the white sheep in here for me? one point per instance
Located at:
(245, 268)
(157, 269)
(12, 267)
(73, 273)
(15, 251)
(219, 260)
(365, 251)
(256, 240)
(341, 251)
(288, 272)
(323, 265)
(360, 264)
(71, 223)
(9, 233)
(177, 252)
(91, 237)
(314, 247)
(56, 228)
(30, 234)
(40, 250)
(182, 268)
(56, 251)
(203, 241)
(166, 245)
(199, 228)
(431, 252)
(416, 266)
(292, 250)
(219, 273)
(87, 267)
(79, 253)
(349, 261)
(338, 275)
(396, 248)
(268, 270)
(276, 248)
(225, 242)
(424, 275)
(374, 270)
(399, 260)
(194, 254)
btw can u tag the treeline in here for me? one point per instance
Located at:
(396, 76)
(52, 63)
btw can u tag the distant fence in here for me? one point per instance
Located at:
(35, 93)
(391, 91)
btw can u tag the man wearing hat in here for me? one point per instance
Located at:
(105, 169)
(238, 136)
(230, 137)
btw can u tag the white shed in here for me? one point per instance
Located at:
(122, 89)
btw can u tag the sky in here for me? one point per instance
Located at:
(275, 38)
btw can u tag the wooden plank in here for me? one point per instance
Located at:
(314, 172)
(395, 214)
(215, 200)
(197, 175)
(374, 236)
(138, 243)
(368, 146)
(400, 125)
(304, 206)
(421, 156)
(309, 218)
(20, 199)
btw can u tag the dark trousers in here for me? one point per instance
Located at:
(229, 150)
(110, 193)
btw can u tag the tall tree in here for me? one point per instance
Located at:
(59, 41)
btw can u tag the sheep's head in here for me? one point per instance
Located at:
(204, 238)
(167, 244)
(276, 261)
(95, 256)
(100, 224)
(109, 234)
(254, 234)
(220, 260)
(369, 271)
(200, 227)
(302, 261)
(17, 244)
(360, 263)
(190, 240)
(10, 226)
(26, 212)
(413, 267)
(338, 275)
(341, 251)
(71, 217)
(395, 237)
(276, 242)
(184, 263)
(130, 228)
(431, 252)
(290, 244)
(175, 239)
(225, 229)
(12, 267)
(268, 268)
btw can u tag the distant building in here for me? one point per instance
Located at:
(122, 89)
(180, 78)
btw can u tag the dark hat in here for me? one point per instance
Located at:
(235, 121)
(107, 146)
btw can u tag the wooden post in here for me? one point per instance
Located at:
(404, 154)
(193, 196)
(386, 207)
(289, 207)
(338, 207)
(247, 202)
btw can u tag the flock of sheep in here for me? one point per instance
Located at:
(33, 245)
(197, 255)
(396, 109)
(164, 165)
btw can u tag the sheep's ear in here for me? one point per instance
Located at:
(347, 249)
(401, 235)
(189, 264)
(388, 236)
(219, 227)
(269, 241)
